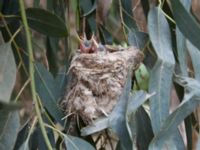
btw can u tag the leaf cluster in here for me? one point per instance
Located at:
(159, 106)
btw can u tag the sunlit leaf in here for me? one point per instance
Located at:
(7, 72)
(142, 77)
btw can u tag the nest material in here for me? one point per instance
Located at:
(97, 81)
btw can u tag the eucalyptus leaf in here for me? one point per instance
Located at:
(195, 55)
(144, 133)
(138, 39)
(88, 9)
(181, 43)
(22, 137)
(97, 125)
(75, 143)
(46, 22)
(10, 124)
(161, 74)
(48, 92)
(7, 72)
(186, 23)
(134, 102)
(91, 9)
(117, 121)
(128, 14)
(190, 102)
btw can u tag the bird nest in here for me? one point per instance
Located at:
(97, 81)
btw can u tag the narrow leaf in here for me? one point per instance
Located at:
(138, 39)
(190, 102)
(9, 127)
(134, 102)
(144, 130)
(186, 23)
(195, 55)
(22, 139)
(97, 125)
(75, 143)
(117, 121)
(48, 91)
(181, 43)
(46, 22)
(7, 72)
(161, 74)
(128, 14)
(88, 8)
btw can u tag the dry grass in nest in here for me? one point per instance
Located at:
(97, 81)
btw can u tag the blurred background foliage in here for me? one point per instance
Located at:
(158, 108)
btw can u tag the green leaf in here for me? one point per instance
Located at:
(97, 125)
(46, 22)
(117, 118)
(186, 23)
(7, 72)
(181, 50)
(48, 91)
(91, 9)
(9, 126)
(144, 131)
(195, 55)
(75, 143)
(128, 14)
(52, 46)
(190, 102)
(135, 101)
(181, 43)
(161, 74)
(138, 39)
(22, 137)
(142, 77)
(88, 8)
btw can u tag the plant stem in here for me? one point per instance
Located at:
(31, 72)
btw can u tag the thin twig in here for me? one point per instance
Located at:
(31, 72)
